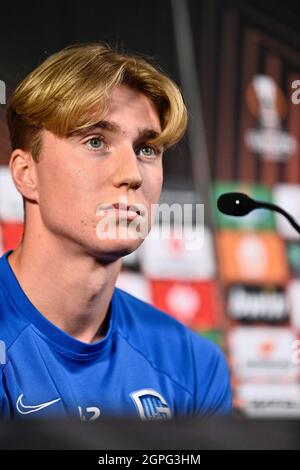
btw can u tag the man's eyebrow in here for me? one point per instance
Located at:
(146, 133)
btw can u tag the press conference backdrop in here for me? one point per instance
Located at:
(240, 285)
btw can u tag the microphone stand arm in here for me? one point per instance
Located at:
(269, 205)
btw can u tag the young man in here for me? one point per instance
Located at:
(88, 128)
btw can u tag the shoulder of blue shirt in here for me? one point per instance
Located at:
(189, 358)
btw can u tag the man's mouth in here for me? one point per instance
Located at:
(121, 210)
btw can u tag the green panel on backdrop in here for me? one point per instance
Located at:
(293, 254)
(259, 219)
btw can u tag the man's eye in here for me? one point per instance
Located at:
(95, 143)
(149, 151)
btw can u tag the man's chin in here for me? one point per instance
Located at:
(111, 250)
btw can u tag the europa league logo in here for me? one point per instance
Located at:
(268, 105)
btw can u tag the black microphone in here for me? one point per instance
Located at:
(239, 204)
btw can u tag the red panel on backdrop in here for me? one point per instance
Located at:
(196, 304)
(11, 234)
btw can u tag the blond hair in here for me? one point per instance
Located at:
(70, 91)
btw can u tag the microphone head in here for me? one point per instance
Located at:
(237, 204)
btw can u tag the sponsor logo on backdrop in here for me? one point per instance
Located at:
(263, 354)
(263, 400)
(11, 205)
(247, 257)
(287, 196)
(257, 303)
(255, 220)
(170, 258)
(296, 352)
(11, 235)
(1, 242)
(196, 304)
(293, 254)
(135, 284)
(293, 295)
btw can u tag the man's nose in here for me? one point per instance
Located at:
(127, 171)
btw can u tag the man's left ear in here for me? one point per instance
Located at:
(23, 172)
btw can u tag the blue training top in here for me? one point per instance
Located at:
(148, 364)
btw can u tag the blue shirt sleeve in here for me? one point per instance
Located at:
(1, 392)
(212, 379)
(2, 364)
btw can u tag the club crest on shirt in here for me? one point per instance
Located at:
(150, 404)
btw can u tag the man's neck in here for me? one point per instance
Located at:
(73, 291)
